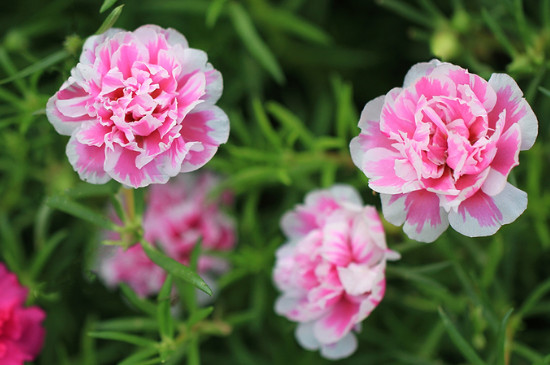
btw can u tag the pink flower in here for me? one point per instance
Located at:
(140, 108)
(331, 272)
(439, 150)
(21, 332)
(177, 216)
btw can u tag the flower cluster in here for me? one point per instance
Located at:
(21, 331)
(139, 107)
(331, 272)
(440, 149)
(178, 216)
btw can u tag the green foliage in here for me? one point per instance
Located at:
(296, 75)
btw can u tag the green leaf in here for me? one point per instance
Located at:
(253, 42)
(494, 26)
(501, 342)
(407, 12)
(139, 201)
(175, 268)
(459, 341)
(164, 316)
(43, 254)
(85, 190)
(292, 122)
(38, 66)
(106, 5)
(214, 11)
(140, 303)
(265, 126)
(292, 24)
(545, 91)
(123, 337)
(199, 315)
(110, 20)
(533, 298)
(127, 324)
(10, 245)
(69, 206)
(139, 356)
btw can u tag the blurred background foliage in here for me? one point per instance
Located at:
(296, 76)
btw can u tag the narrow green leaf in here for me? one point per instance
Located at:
(139, 201)
(85, 190)
(38, 66)
(533, 298)
(214, 11)
(140, 303)
(501, 342)
(10, 69)
(110, 20)
(177, 269)
(459, 341)
(42, 255)
(545, 91)
(123, 337)
(69, 206)
(292, 24)
(139, 356)
(253, 42)
(253, 154)
(106, 5)
(527, 353)
(498, 32)
(545, 12)
(291, 121)
(199, 315)
(164, 316)
(265, 125)
(431, 8)
(523, 28)
(248, 178)
(193, 356)
(127, 324)
(407, 12)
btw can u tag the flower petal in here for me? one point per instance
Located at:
(305, 337)
(506, 158)
(424, 219)
(381, 166)
(88, 161)
(208, 125)
(510, 98)
(67, 96)
(482, 215)
(341, 349)
(337, 323)
(420, 70)
(120, 164)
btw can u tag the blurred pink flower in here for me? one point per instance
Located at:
(177, 216)
(331, 272)
(439, 150)
(139, 107)
(21, 331)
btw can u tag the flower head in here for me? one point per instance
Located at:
(331, 272)
(178, 215)
(439, 150)
(139, 107)
(21, 331)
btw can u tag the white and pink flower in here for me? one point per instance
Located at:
(439, 150)
(140, 108)
(21, 331)
(178, 215)
(331, 272)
